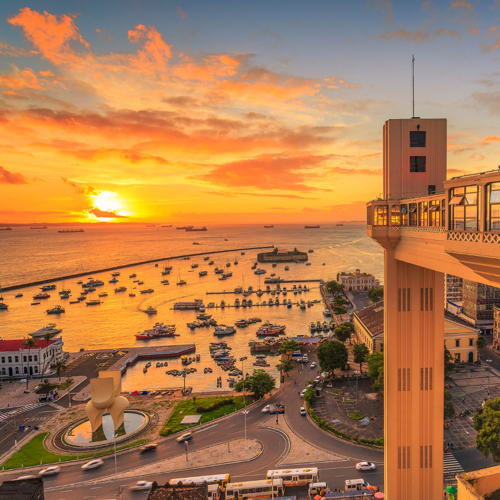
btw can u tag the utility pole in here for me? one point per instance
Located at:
(116, 467)
(413, 83)
(245, 412)
(243, 375)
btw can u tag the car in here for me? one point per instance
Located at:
(148, 447)
(185, 437)
(266, 409)
(365, 466)
(313, 365)
(489, 361)
(309, 386)
(141, 485)
(24, 478)
(302, 411)
(93, 464)
(302, 394)
(50, 471)
(317, 379)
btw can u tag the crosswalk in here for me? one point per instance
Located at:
(56, 406)
(21, 409)
(451, 466)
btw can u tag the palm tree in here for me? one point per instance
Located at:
(29, 343)
(480, 344)
(60, 366)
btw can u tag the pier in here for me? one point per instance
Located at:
(124, 266)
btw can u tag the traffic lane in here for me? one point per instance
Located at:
(274, 447)
(486, 354)
(334, 474)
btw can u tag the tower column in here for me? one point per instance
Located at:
(413, 380)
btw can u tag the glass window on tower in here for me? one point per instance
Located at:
(417, 139)
(417, 163)
(493, 207)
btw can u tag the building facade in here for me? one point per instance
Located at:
(459, 337)
(478, 303)
(454, 290)
(358, 281)
(18, 361)
(496, 327)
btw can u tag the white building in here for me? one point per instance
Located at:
(358, 281)
(16, 360)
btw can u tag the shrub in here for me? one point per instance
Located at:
(379, 442)
(214, 406)
(166, 431)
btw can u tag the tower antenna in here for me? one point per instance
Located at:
(413, 82)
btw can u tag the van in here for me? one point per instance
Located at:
(313, 489)
(355, 485)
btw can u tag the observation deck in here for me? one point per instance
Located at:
(454, 231)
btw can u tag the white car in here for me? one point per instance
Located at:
(185, 437)
(302, 411)
(309, 386)
(489, 361)
(266, 409)
(50, 471)
(313, 365)
(24, 478)
(317, 379)
(365, 466)
(302, 394)
(141, 485)
(93, 464)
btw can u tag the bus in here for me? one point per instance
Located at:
(220, 479)
(295, 477)
(255, 489)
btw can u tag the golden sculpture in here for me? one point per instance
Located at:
(105, 396)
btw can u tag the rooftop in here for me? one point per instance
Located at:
(372, 317)
(16, 345)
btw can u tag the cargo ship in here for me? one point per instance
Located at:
(39, 227)
(311, 227)
(196, 229)
(269, 227)
(71, 231)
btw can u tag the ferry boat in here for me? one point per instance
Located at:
(148, 290)
(43, 295)
(120, 289)
(159, 330)
(45, 288)
(56, 310)
(93, 302)
(50, 329)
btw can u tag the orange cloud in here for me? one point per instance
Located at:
(104, 214)
(208, 69)
(493, 33)
(24, 79)
(181, 13)
(155, 52)
(52, 35)
(461, 3)
(489, 139)
(419, 36)
(9, 50)
(87, 190)
(7, 177)
(102, 35)
(282, 172)
(335, 82)
(122, 155)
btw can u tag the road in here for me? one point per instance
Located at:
(74, 483)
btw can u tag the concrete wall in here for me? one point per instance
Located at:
(474, 485)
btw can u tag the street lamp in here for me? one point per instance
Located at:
(116, 469)
(243, 375)
(245, 412)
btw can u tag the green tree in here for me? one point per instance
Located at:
(487, 425)
(333, 288)
(289, 346)
(378, 385)
(309, 395)
(285, 366)
(60, 366)
(376, 295)
(339, 310)
(29, 343)
(360, 352)
(375, 364)
(332, 354)
(260, 383)
(449, 409)
(342, 332)
(340, 301)
(449, 365)
(480, 344)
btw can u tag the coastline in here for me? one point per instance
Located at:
(124, 266)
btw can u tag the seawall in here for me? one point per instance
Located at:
(124, 266)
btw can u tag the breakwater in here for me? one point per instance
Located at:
(124, 266)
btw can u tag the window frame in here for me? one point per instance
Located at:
(418, 164)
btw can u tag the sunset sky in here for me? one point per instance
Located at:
(228, 111)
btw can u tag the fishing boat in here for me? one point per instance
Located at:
(39, 296)
(224, 330)
(114, 280)
(151, 310)
(180, 282)
(133, 275)
(203, 273)
(194, 266)
(103, 294)
(93, 302)
(140, 282)
(120, 289)
(222, 304)
(148, 290)
(260, 271)
(45, 288)
(211, 263)
(241, 323)
(18, 295)
(165, 282)
(131, 294)
(115, 274)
